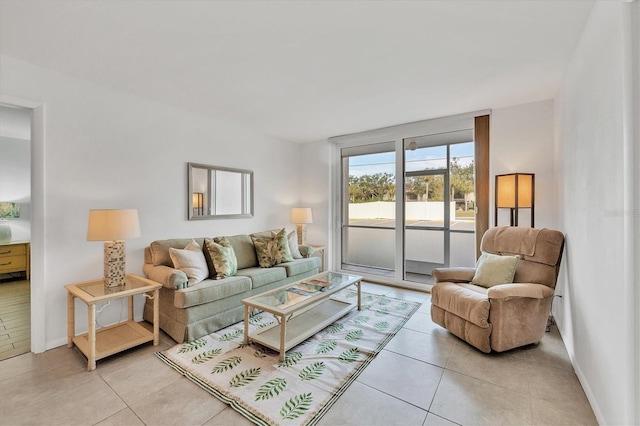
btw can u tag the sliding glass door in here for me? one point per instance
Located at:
(403, 228)
(438, 204)
(368, 232)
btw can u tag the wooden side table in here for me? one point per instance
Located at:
(115, 338)
(14, 257)
(322, 250)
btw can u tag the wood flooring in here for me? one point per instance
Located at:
(15, 318)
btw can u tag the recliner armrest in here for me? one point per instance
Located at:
(453, 275)
(165, 275)
(527, 290)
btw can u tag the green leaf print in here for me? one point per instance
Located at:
(334, 328)
(402, 306)
(326, 346)
(354, 335)
(383, 301)
(255, 319)
(350, 355)
(226, 364)
(296, 406)
(382, 312)
(270, 389)
(266, 324)
(205, 356)
(231, 335)
(290, 359)
(361, 319)
(367, 298)
(192, 346)
(312, 371)
(245, 377)
(381, 325)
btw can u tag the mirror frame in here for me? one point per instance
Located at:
(191, 216)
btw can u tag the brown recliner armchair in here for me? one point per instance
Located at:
(503, 316)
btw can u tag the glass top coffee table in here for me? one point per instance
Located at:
(301, 309)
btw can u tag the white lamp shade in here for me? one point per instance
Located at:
(111, 225)
(301, 215)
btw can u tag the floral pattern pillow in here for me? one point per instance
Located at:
(220, 257)
(272, 251)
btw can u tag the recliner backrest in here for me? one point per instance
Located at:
(540, 251)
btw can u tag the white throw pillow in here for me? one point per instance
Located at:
(492, 269)
(293, 244)
(191, 261)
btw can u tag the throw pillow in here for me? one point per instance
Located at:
(493, 269)
(191, 261)
(293, 244)
(220, 257)
(272, 251)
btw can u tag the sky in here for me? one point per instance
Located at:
(419, 159)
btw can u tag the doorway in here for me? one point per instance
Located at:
(15, 210)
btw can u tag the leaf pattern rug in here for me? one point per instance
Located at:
(299, 390)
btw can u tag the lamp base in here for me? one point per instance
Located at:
(114, 264)
(301, 230)
(5, 232)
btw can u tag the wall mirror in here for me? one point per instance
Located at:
(219, 192)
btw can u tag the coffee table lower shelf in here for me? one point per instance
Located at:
(302, 326)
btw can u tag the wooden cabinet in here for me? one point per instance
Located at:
(14, 257)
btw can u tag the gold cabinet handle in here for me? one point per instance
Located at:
(5, 252)
(5, 264)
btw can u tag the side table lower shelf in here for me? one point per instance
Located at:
(113, 339)
(98, 344)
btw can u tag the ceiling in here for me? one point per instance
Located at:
(305, 71)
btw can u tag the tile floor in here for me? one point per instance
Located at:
(424, 376)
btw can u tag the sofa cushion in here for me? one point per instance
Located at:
(210, 290)
(263, 276)
(300, 266)
(493, 269)
(244, 250)
(221, 259)
(272, 251)
(191, 261)
(159, 250)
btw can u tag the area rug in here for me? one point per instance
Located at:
(302, 388)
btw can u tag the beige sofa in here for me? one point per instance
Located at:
(503, 316)
(190, 312)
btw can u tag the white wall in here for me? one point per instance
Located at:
(109, 149)
(15, 167)
(522, 141)
(596, 313)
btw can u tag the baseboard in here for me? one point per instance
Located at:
(584, 383)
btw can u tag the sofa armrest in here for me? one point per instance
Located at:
(519, 290)
(165, 275)
(453, 275)
(306, 251)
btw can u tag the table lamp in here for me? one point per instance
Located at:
(7, 211)
(301, 216)
(113, 227)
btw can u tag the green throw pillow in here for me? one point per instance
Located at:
(220, 257)
(272, 251)
(493, 269)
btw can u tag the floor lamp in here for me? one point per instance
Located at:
(515, 191)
